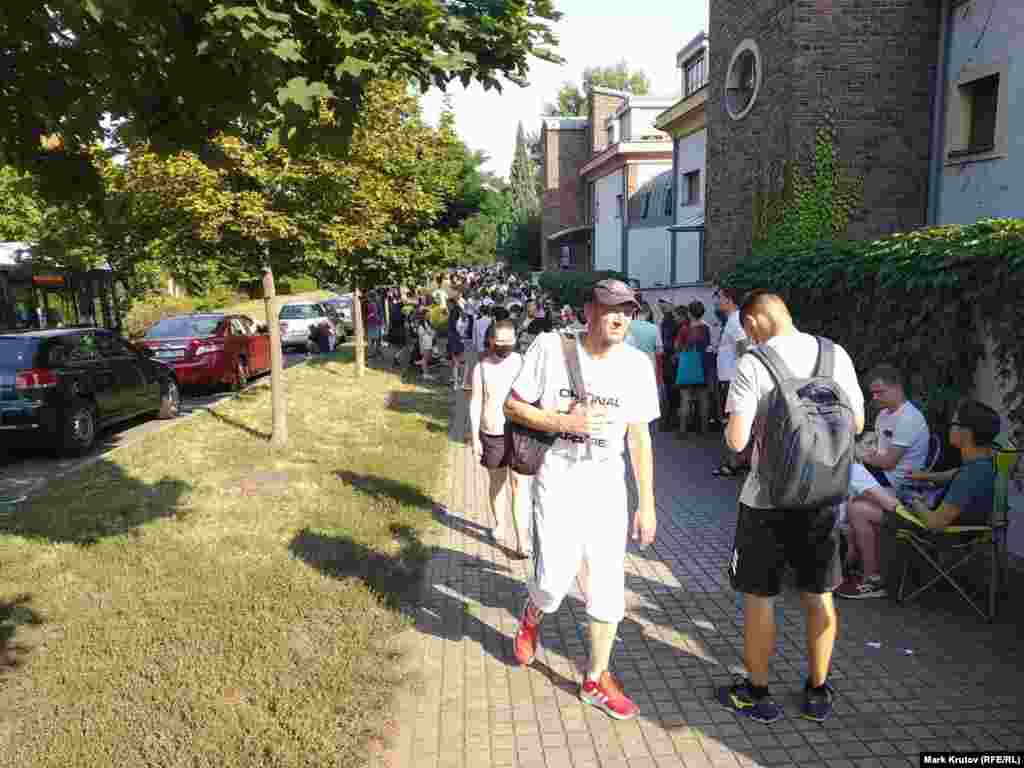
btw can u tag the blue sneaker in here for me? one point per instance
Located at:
(740, 699)
(817, 704)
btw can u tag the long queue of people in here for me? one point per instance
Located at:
(587, 388)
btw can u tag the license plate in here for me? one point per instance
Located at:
(169, 354)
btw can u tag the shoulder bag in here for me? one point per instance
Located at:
(528, 446)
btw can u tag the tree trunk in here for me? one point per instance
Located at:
(279, 405)
(360, 330)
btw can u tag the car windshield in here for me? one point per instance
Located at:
(17, 352)
(300, 312)
(183, 327)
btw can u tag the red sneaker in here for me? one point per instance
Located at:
(526, 636)
(606, 693)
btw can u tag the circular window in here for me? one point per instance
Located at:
(743, 79)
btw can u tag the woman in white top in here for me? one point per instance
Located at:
(493, 376)
(426, 335)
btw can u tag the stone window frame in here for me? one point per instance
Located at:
(958, 117)
(744, 47)
(690, 199)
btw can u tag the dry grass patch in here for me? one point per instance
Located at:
(199, 600)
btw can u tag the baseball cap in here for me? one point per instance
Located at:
(612, 293)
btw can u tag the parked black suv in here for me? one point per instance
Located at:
(65, 385)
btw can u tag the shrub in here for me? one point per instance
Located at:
(570, 287)
(296, 284)
(149, 310)
(218, 298)
(917, 299)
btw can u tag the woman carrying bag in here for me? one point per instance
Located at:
(690, 373)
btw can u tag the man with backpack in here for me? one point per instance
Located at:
(798, 399)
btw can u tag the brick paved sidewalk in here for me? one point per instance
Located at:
(926, 676)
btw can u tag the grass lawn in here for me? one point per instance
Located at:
(256, 309)
(199, 600)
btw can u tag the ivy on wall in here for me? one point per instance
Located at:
(921, 300)
(794, 206)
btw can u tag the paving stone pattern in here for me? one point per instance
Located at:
(960, 688)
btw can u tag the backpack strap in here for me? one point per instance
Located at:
(771, 360)
(826, 365)
(570, 349)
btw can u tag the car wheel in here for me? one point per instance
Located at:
(170, 400)
(78, 429)
(241, 376)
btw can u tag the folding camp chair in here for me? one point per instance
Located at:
(951, 548)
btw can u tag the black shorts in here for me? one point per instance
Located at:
(497, 450)
(769, 539)
(879, 475)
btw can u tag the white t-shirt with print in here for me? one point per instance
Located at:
(906, 428)
(731, 334)
(748, 394)
(493, 380)
(623, 381)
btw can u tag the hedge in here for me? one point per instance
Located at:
(919, 300)
(569, 287)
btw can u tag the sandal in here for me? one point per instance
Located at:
(724, 471)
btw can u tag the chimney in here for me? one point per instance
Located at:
(604, 102)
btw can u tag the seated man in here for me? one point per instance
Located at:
(902, 431)
(966, 500)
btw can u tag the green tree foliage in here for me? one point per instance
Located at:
(177, 73)
(571, 100)
(21, 211)
(523, 175)
(920, 300)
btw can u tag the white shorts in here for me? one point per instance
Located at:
(581, 514)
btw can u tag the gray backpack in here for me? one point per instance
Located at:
(808, 439)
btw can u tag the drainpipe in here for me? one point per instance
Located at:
(937, 140)
(675, 211)
(625, 220)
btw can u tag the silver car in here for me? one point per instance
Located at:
(297, 320)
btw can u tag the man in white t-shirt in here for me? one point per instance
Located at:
(769, 538)
(580, 511)
(902, 431)
(902, 448)
(732, 342)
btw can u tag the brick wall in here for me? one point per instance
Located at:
(602, 106)
(563, 203)
(870, 60)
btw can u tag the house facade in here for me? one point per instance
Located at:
(978, 120)
(594, 170)
(686, 123)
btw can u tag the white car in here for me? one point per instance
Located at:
(299, 318)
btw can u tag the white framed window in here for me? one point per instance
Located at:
(695, 74)
(743, 79)
(976, 114)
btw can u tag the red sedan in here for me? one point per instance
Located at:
(210, 349)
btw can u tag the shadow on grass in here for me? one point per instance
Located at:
(99, 502)
(385, 488)
(434, 405)
(240, 425)
(15, 613)
(394, 578)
